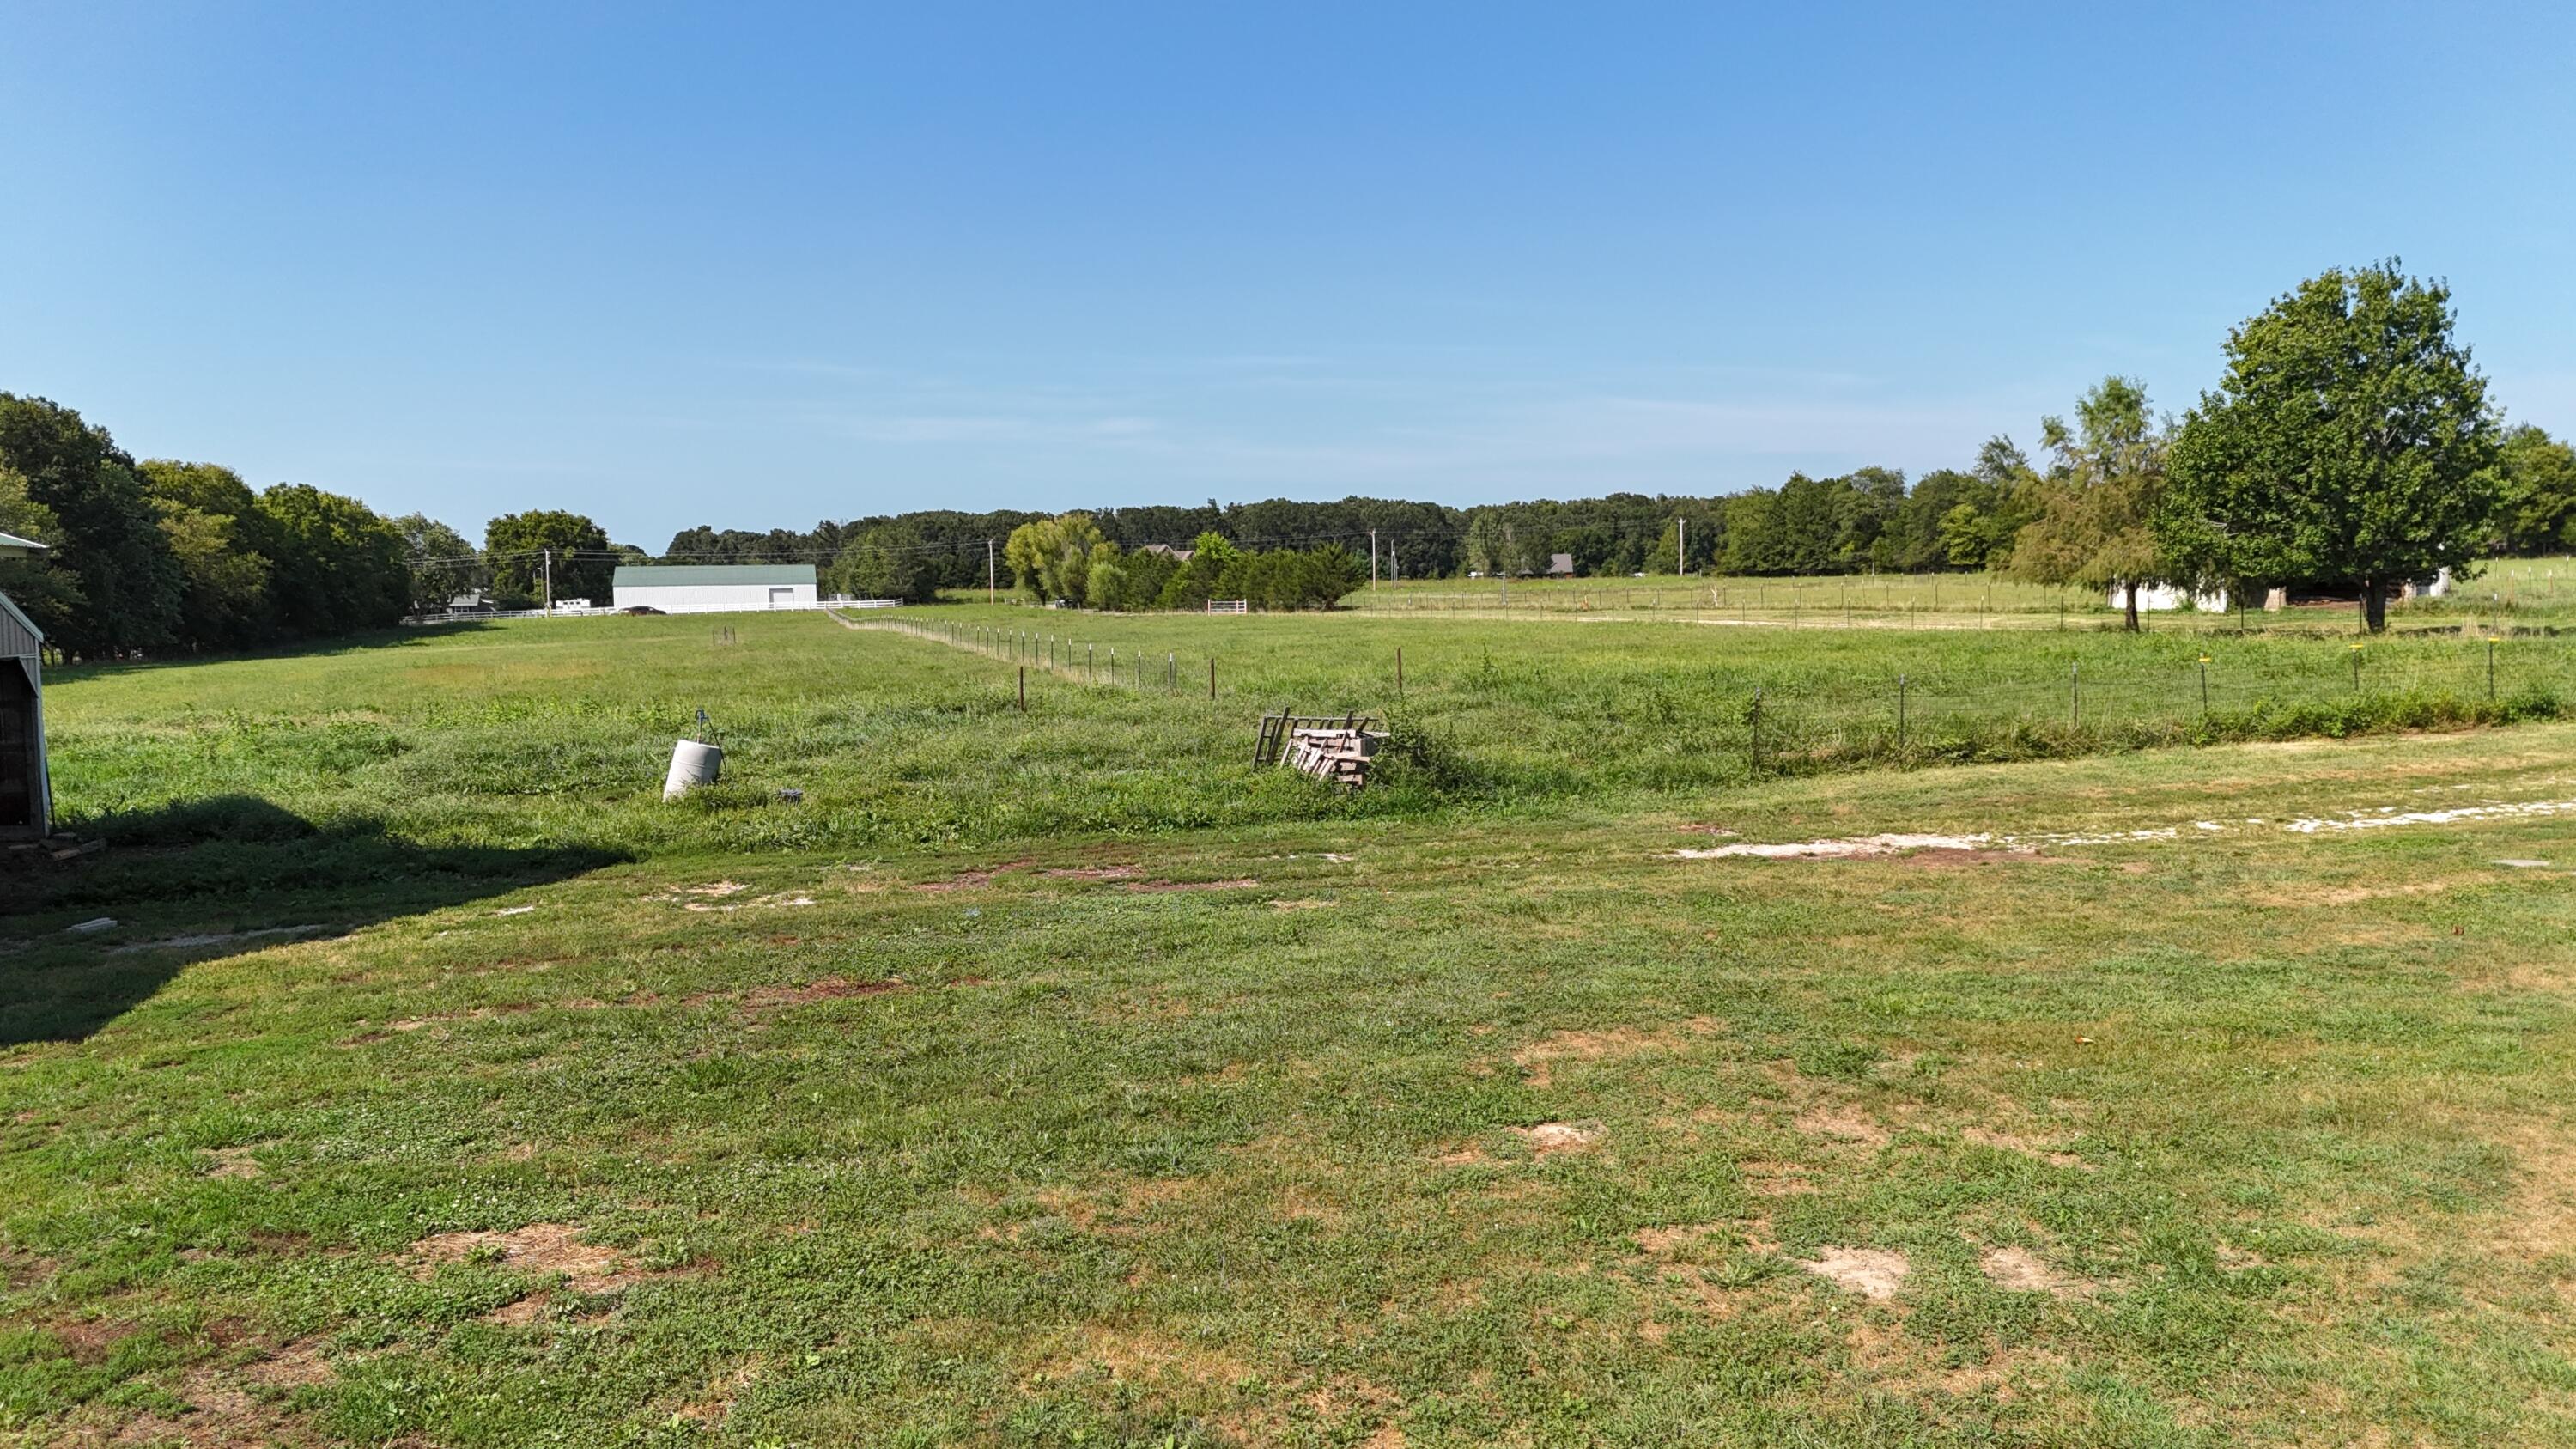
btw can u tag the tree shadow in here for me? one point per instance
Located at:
(212, 878)
(372, 639)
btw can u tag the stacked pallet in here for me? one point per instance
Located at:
(1337, 756)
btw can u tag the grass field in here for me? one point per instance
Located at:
(1053, 1077)
(2504, 596)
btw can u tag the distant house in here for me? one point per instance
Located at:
(1176, 555)
(1560, 565)
(2158, 597)
(26, 793)
(713, 588)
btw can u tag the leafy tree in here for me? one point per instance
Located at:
(441, 563)
(211, 518)
(2535, 492)
(2349, 443)
(1195, 582)
(1105, 584)
(108, 539)
(337, 566)
(1051, 558)
(516, 547)
(47, 594)
(2096, 522)
(884, 562)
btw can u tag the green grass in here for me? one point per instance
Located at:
(2504, 596)
(773, 1144)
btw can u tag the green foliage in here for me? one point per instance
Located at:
(2097, 505)
(884, 562)
(516, 546)
(1050, 559)
(2535, 492)
(336, 566)
(117, 562)
(442, 564)
(2350, 443)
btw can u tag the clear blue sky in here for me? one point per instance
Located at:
(755, 266)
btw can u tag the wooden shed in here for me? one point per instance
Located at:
(26, 796)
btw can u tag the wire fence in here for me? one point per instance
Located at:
(1782, 721)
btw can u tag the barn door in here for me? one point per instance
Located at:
(17, 747)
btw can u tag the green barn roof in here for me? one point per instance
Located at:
(650, 575)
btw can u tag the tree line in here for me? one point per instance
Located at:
(2349, 445)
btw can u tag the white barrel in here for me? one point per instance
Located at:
(691, 764)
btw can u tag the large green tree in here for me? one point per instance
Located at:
(2097, 505)
(337, 566)
(2349, 443)
(442, 564)
(1051, 557)
(2535, 492)
(212, 520)
(517, 548)
(109, 540)
(884, 562)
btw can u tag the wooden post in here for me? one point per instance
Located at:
(1399, 671)
(1211, 676)
(1024, 689)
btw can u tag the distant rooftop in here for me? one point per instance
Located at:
(12, 546)
(648, 575)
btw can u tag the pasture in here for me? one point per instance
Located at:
(1050, 1076)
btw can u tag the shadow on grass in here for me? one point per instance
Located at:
(295, 649)
(218, 868)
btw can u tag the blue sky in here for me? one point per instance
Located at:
(753, 266)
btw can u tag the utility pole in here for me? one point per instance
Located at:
(1681, 546)
(550, 583)
(992, 586)
(1372, 560)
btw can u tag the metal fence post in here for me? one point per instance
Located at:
(2075, 694)
(2204, 686)
(1753, 750)
(2491, 669)
(1900, 711)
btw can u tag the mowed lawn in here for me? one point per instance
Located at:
(2201, 1111)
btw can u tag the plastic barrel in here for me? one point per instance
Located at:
(692, 763)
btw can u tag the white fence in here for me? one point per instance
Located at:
(469, 615)
(1229, 606)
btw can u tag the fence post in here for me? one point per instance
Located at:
(2075, 694)
(2204, 686)
(2490, 669)
(1024, 689)
(2356, 669)
(1091, 664)
(1900, 712)
(1753, 749)
(1211, 676)
(1399, 669)
(1171, 672)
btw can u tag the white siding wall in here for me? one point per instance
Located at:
(713, 598)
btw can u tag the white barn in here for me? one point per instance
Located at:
(26, 795)
(714, 588)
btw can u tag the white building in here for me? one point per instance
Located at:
(714, 588)
(2170, 596)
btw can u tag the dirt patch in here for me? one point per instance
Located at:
(1095, 872)
(1158, 886)
(234, 1162)
(830, 988)
(1875, 1273)
(1553, 1137)
(518, 1314)
(1310, 903)
(1539, 1058)
(291, 1366)
(1854, 848)
(1774, 1179)
(1846, 1124)
(971, 879)
(1665, 1240)
(2021, 1270)
(2007, 1142)
(545, 1248)
(1146, 1356)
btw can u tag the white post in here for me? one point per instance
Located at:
(550, 583)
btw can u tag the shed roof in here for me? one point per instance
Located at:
(9, 615)
(12, 546)
(670, 575)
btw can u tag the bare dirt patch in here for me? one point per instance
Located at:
(1774, 1179)
(1158, 886)
(830, 988)
(970, 879)
(234, 1162)
(218, 938)
(2021, 1270)
(1539, 1058)
(545, 1248)
(1553, 1137)
(1846, 1124)
(1095, 872)
(2007, 1142)
(1875, 1273)
(1665, 1240)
